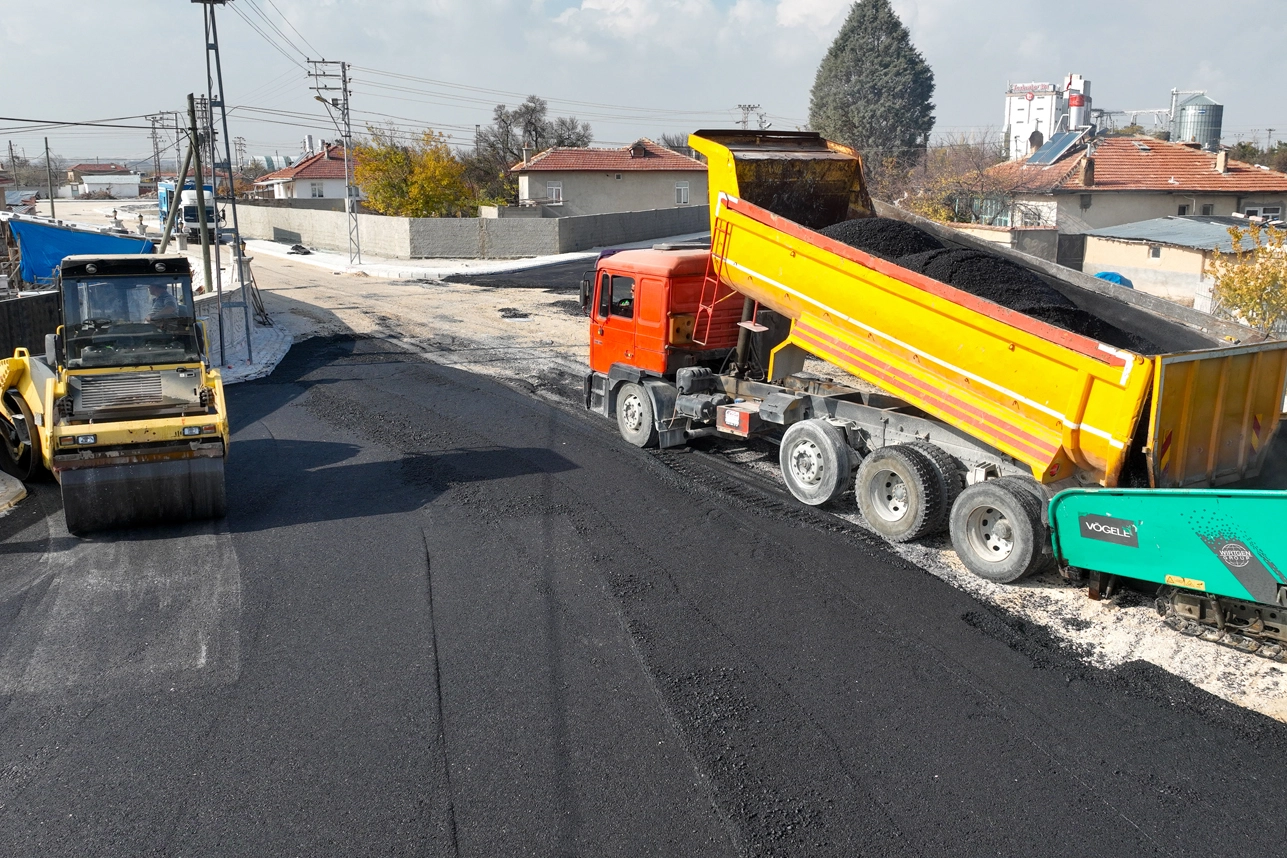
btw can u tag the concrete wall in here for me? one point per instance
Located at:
(587, 193)
(1178, 273)
(1041, 242)
(467, 238)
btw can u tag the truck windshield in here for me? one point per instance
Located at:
(129, 321)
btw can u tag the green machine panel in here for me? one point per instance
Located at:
(1227, 543)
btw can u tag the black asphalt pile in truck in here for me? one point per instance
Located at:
(983, 274)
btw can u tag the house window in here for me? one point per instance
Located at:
(1272, 212)
(554, 193)
(1155, 251)
(681, 193)
(1182, 211)
(1208, 209)
(316, 190)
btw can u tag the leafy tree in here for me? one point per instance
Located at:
(1244, 151)
(873, 89)
(420, 179)
(1126, 130)
(500, 145)
(1252, 283)
(31, 173)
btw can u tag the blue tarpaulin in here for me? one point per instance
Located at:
(1114, 277)
(44, 246)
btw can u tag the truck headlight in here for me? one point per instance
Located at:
(191, 430)
(86, 439)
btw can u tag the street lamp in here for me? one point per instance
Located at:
(356, 250)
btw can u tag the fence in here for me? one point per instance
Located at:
(466, 238)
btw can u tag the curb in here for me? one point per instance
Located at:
(11, 492)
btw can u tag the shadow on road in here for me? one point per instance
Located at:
(324, 481)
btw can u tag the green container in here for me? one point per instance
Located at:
(1228, 543)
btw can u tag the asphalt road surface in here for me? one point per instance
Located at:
(446, 617)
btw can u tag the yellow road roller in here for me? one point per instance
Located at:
(123, 408)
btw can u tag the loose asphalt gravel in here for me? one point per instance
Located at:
(448, 618)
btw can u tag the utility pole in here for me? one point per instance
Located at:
(239, 144)
(216, 98)
(201, 214)
(747, 110)
(1269, 141)
(156, 148)
(325, 76)
(49, 174)
(13, 169)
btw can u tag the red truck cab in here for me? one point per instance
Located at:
(643, 305)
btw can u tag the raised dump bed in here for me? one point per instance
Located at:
(1067, 406)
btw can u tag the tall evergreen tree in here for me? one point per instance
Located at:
(873, 88)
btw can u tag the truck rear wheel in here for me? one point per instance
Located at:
(20, 440)
(634, 416)
(899, 493)
(815, 461)
(951, 479)
(997, 530)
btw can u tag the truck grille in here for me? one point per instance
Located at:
(114, 391)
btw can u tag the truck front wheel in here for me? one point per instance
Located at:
(634, 416)
(997, 530)
(815, 461)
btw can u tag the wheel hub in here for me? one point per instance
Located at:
(990, 534)
(888, 495)
(632, 413)
(806, 462)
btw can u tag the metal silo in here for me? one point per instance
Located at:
(1198, 120)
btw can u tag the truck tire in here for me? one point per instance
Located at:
(997, 530)
(815, 461)
(899, 492)
(634, 416)
(21, 443)
(951, 477)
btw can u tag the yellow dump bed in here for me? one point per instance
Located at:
(1066, 405)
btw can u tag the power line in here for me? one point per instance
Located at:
(292, 26)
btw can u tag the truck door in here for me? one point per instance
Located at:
(612, 323)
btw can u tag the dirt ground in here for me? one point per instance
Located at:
(536, 339)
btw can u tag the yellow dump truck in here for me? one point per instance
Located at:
(972, 416)
(123, 408)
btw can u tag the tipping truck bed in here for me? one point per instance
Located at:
(1068, 407)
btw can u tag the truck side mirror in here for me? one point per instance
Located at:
(585, 292)
(202, 344)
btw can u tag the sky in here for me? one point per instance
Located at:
(631, 68)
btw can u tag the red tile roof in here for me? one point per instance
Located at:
(1144, 164)
(327, 164)
(639, 156)
(103, 169)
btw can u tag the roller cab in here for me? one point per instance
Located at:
(123, 408)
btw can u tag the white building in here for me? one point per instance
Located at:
(317, 177)
(1035, 111)
(121, 186)
(563, 182)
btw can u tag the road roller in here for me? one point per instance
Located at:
(123, 408)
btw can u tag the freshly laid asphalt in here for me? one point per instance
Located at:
(447, 618)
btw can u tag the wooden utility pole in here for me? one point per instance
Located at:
(49, 174)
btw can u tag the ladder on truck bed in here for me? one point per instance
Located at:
(714, 292)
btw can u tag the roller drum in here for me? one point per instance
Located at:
(141, 494)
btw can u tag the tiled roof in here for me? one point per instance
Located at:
(1196, 231)
(1144, 164)
(643, 155)
(327, 164)
(104, 169)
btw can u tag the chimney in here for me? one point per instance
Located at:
(1222, 162)
(527, 153)
(1088, 172)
